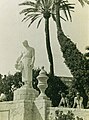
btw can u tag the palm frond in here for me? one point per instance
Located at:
(64, 10)
(67, 8)
(82, 2)
(42, 2)
(53, 8)
(62, 18)
(69, 12)
(33, 19)
(53, 16)
(28, 3)
(28, 10)
(50, 2)
(86, 1)
(39, 5)
(28, 17)
(39, 22)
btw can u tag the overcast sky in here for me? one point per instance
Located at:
(13, 32)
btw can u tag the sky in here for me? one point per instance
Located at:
(13, 32)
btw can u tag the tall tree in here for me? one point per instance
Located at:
(40, 9)
(74, 59)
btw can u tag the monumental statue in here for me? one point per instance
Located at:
(25, 63)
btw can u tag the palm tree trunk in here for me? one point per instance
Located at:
(50, 56)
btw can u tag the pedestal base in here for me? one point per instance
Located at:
(25, 93)
(42, 103)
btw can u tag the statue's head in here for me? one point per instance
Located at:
(25, 43)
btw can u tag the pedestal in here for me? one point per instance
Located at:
(42, 104)
(24, 103)
(25, 93)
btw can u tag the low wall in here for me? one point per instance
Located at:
(27, 110)
(20, 110)
(84, 113)
(16, 110)
(11, 110)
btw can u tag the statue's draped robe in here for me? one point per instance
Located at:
(27, 70)
(23, 65)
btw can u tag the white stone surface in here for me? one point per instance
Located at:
(25, 93)
(42, 82)
(41, 105)
(25, 63)
(42, 102)
(38, 110)
(4, 115)
(18, 110)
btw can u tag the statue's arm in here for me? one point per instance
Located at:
(19, 58)
(19, 65)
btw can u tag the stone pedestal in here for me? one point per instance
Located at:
(42, 105)
(24, 103)
(25, 93)
(17, 110)
(29, 106)
(22, 110)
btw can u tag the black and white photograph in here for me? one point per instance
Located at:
(44, 60)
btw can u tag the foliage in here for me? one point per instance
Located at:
(7, 82)
(10, 82)
(74, 59)
(39, 9)
(77, 64)
(55, 88)
(35, 81)
(59, 115)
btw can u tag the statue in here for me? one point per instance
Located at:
(25, 63)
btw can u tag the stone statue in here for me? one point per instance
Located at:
(25, 63)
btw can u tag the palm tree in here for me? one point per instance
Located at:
(69, 49)
(40, 9)
(44, 9)
(83, 2)
(74, 59)
(66, 7)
